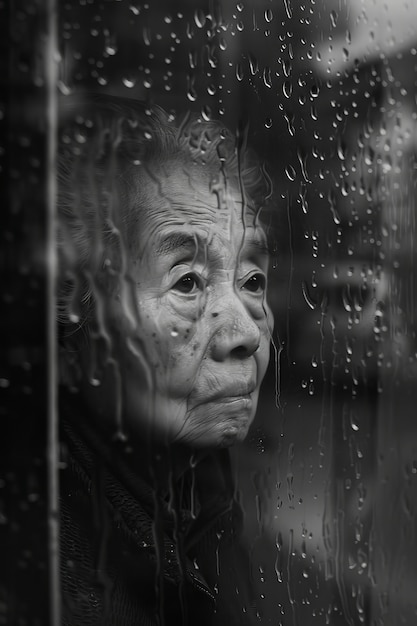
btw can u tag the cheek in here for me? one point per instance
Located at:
(265, 345)
(270, 320)
(173, 343)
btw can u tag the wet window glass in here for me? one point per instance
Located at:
(210, 287)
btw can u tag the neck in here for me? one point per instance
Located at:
(159, 463)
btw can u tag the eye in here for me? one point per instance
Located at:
(255, 284)
(188, 284)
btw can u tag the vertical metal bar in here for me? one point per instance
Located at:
(51, 60)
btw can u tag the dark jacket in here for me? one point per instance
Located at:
(134, 553)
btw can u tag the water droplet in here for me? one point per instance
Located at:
(111, 49)
(253, 64)
(353, 422)
(239, 71)
(286, 67)
(332, 202)
(267, 77)
(191, 92)
(347, 299)
(174, 333)
(304, 204)
(290, 123)
(206, 113)
(146, 36)
(369, 156)
(129, 82)
(268, 122)
(302, 159)
(333, 18)
(199, 18)
(288, 10)
(135, 9)
(192, 59)
(303, 548)
(307, 297)
(120, 436)
(314, 91)
(268, 15)
(362, 559)
(290, 172)
(287, 88)
(341, 151)
(63, 88)
(387, 165)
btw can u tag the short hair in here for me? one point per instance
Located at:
(105, 142)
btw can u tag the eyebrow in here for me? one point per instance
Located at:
(259, 247)
(176, 241)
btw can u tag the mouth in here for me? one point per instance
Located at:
(233, 393)
(235, 401)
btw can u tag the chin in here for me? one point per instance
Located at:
(222, 435)
(231, 436)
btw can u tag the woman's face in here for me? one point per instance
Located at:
(200, 279)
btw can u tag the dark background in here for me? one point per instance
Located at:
(328, 474)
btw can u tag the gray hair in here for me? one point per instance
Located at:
(104, 143)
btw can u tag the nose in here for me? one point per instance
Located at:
(236, 334)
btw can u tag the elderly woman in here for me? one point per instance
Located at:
(164, 334)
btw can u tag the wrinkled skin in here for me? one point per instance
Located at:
(200, 276)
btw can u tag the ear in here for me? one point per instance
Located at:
(122, 313)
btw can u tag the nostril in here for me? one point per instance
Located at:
(235, 332)
(239, 352)
(243, 351)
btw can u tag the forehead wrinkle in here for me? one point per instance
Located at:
(159, 219)
(212, 247)
(162, 205)
(192, 209)
(160, 216)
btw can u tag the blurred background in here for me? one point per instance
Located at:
(327, 89)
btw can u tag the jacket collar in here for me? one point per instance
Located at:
(147, 516)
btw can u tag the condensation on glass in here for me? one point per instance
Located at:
(328, 478)
(324, 92)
